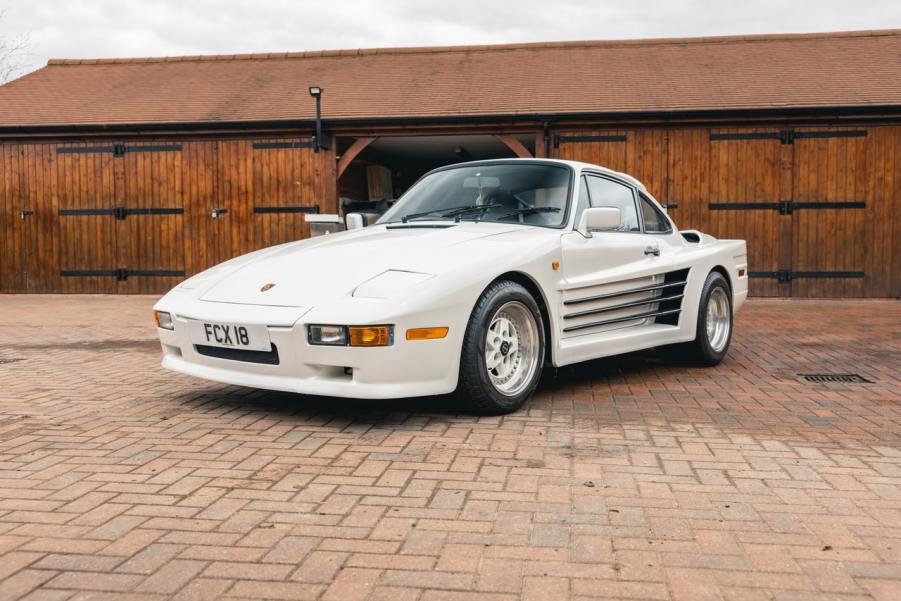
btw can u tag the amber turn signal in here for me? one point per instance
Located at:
(370, 335)
(426, 333)
(163, 320)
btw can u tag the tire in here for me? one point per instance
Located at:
(714, 329)
(503, 350)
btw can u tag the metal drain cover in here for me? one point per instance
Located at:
(835, 378)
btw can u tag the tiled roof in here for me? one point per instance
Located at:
(853, 69)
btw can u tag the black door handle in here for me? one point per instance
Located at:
(216, 212)
(652, 250)
(24, 214)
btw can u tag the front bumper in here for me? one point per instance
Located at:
(404, 369)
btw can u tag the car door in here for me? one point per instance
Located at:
(617, 282)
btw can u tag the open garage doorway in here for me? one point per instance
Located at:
(375, 171)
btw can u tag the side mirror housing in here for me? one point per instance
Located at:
(599, 219)
(355, 221)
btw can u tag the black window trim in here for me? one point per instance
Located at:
(607, 176)
(672, 228)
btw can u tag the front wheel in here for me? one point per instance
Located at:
(503, 350)
(714, 330)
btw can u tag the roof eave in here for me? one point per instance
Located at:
(670, 115)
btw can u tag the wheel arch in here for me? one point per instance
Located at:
(725, 273)
(537, 293)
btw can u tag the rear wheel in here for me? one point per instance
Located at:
(503, 350)
(714, 329)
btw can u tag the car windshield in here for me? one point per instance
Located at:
(533, 194)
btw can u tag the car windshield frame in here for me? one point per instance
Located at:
(476, 216)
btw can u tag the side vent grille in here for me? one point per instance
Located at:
(661, 300)
(672, 308)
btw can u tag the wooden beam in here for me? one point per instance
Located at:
(355, 149)
(515, 145)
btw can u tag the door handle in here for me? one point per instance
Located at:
(216, 212)
(652, 250)
(24, 214)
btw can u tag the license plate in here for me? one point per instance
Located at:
(229, 335)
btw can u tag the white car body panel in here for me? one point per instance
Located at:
(413, 277)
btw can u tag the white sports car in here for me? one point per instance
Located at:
(478, 277)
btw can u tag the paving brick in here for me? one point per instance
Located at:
(94, 581)
(289, 591)
(352, 584)
(23, 581)
(171, 577)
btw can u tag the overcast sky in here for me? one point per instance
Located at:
(108, 28)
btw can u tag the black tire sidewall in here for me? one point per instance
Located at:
(708, 354)
(474, 380)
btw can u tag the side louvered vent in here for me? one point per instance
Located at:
(641, 301)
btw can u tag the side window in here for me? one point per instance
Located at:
(608, 193)
(655, 222)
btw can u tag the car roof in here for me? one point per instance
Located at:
(578, 166)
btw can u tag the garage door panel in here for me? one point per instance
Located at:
(285, 174)
(208, 215)
(831, 212)
(151, 235)
(688, 177)
(604, 147)
(40, 229)
(745, 189)
(85, 183)
(11, 223)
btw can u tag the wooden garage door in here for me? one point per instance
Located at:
(814, 204)
(119, 217)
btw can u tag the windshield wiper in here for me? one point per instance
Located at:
(449, 212)
(457, 213)
(530, 211)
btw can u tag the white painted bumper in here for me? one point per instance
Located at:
(404, 369)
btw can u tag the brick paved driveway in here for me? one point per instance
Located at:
(624, 478)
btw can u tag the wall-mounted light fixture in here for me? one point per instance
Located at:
(318, 142)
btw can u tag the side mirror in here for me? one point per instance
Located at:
(599, 219)
(355, 221)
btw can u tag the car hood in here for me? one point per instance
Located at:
(325, 268)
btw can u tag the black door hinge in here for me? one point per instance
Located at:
(787, 136)
(118, 150)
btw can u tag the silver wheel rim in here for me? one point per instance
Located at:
(719, 319)
(511, 348)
